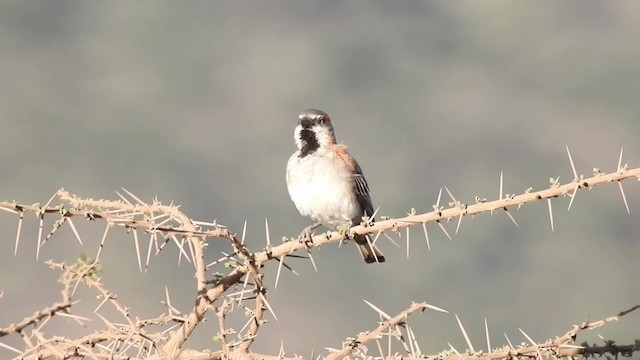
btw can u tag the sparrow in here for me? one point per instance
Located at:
(326, 183)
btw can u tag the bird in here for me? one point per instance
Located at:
(326, 183)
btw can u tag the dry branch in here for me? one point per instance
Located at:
(563, 346)
(169, 223)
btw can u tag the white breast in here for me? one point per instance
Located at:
(321, 187)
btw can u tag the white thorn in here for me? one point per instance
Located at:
(15, 250)
(620, 159)
(244, 232)
(408, 238)
(75, 232)
(426, 235)
(312, 261)
(450, 194)
(281, 352)
(432, 307)
(509, 341)
(624, 197)
(266, 303)
(135, 240)
(134, 197)
(573, 167)
(466, 337)
(266, 230)
(512, 218)
(573, 196)
(382, 313)
(550, 213)
(486, 330)
(455, 351)
(501, 183)
(278, 273)
(445, 230)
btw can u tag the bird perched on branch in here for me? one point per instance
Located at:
(326, 183)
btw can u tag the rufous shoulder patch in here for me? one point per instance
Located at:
(342, 153)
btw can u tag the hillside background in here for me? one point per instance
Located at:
(196, 101)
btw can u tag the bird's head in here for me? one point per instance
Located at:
(314, 130)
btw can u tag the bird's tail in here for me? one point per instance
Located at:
(369, 251)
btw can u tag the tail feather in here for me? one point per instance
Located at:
(369, 251)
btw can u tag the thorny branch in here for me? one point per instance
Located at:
(47, 312)
(169, 223)
(377, 333)
(563, 346)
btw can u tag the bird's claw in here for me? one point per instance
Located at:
(306, 236)
(345, 230)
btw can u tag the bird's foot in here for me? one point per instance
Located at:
(345, 230)
(306, 236)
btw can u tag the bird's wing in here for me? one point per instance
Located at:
(359, 182)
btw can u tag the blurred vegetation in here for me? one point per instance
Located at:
(195, 101)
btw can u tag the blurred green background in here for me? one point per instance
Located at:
(196, 101)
